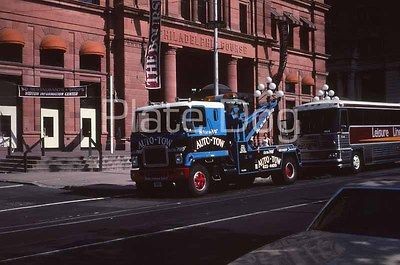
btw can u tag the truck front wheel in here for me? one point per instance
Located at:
(199, 180)
(288, 173)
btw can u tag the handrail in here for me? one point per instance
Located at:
(99, 148)
(9, 147)
(29, 149)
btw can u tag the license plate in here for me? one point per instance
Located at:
(157, 184)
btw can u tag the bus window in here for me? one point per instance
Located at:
(356, 117)
(319, 121)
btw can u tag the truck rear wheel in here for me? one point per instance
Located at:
(288, 173)
(199, 180)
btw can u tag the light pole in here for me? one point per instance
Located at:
(216, 76)
(270, 91)
(111, 114)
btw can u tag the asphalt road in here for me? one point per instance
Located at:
(112, 225)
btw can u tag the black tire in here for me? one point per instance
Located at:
(199, 180)
(288, 173)
(356, 163)
(245, 182)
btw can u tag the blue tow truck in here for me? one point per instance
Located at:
(195, 145)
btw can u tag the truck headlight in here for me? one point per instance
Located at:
(135, 161)
(178, 159)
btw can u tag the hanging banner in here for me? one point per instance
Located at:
(52, 92)
(152, 60)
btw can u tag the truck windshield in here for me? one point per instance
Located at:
(319, 121)
(170, 120)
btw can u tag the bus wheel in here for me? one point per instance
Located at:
(288, 173)
(199, 180)
(356, 162)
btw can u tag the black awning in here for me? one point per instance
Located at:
(276, 15)
(307, 23)
(294, 21)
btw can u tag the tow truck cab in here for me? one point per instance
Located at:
(169, 138)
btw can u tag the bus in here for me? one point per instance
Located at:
(348, 134)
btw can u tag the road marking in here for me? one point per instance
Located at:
(160, 232)
(125, 213)
(52, 204)
(108, 215)
(11, 186)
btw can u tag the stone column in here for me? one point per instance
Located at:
(232, 74)
(340, 86)
(351, 89)
(103, 114)
(30, 114)
(227, 12)
(195, 10)
(170, 74)
(210, 10)
(71, 117)
(174, 8)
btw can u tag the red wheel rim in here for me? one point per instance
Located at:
(199, 180)
(289, 170)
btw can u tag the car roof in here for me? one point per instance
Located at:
(319, 247)
(387, 184)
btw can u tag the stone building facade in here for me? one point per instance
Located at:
(363, 41)
(70, 43)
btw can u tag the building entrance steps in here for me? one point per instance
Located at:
(68, 180)
(64, 161)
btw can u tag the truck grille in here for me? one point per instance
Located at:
(155, 156)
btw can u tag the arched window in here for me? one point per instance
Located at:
(11, 45)
(290, 82)
(52, 51)
(91, 53)
(307, 84)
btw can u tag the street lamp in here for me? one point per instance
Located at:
(325, 94)
(269, 88)
(272, 86)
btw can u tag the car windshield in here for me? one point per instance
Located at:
(169, 120)
(369, 212)
(319, 121)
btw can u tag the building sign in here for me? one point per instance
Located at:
(205, 42)
(374, 134)
(52, 92)
(152, 60)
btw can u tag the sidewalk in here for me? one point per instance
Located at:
(60, 180)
